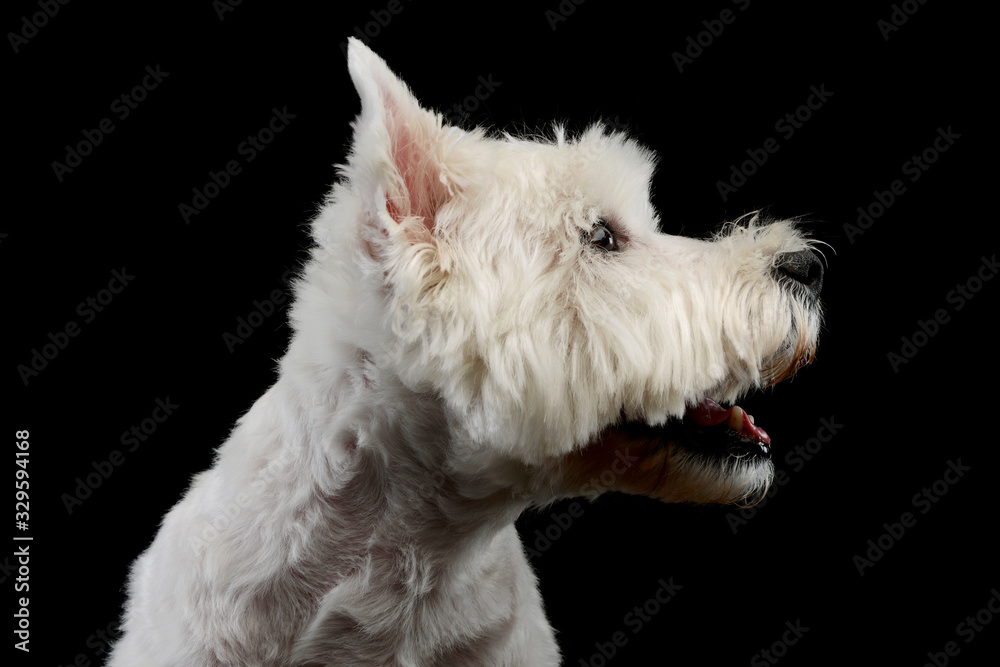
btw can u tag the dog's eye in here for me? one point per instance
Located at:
(602, 237)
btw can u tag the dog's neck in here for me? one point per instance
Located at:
(404, 477)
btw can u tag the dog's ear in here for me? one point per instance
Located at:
(403, 163)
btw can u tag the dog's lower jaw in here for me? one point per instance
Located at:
(652, 461)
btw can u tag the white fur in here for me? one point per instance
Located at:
(459, 353)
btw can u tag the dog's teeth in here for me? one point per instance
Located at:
(750, 417)
(735, 420)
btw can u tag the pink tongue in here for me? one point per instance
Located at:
(710, 413)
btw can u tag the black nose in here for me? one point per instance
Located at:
(804, 267)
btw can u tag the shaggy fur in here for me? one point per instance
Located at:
(464, 348)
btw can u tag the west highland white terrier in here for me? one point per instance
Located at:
(486, 323)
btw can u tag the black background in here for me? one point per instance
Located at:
(792, 560)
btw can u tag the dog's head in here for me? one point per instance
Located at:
(526, 283)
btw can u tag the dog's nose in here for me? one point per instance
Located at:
(804, 267)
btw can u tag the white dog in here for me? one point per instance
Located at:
(486, 323)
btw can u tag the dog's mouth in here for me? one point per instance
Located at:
(710, 429)
(707, 430)
(711, 454)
